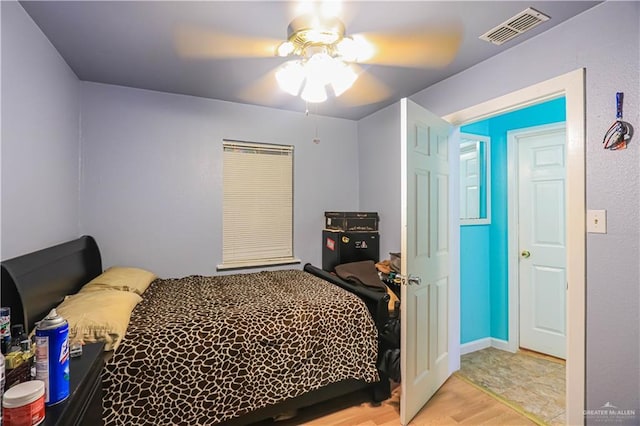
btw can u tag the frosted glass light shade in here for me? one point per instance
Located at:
(290, 77)
(319, 68)
(314, 92)
(315, 73)
(343, 78)
(348, 49)
(285, 49)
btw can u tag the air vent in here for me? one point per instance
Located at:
(513, 27)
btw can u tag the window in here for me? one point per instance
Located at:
(257, 205)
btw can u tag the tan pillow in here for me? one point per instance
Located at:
(135, 280)
(98, 316)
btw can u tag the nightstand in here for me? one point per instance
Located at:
(84, 404)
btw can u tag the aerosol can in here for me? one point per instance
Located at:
(52, 357)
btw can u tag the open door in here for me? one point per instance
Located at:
(425, 256)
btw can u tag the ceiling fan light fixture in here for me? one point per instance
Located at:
(324, 51)
(307, 30)
(314, 92)
(343, 78)
(320, 67)
(363, 49)
(290, 77)
(322, 37)
(347, 49)
(285, 49)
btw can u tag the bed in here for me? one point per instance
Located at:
(172, 366)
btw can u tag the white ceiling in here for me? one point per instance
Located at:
(133, 43)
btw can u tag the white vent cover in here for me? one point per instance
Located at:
(512, 27)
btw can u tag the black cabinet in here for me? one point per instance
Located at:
(345, 247)
(84, 404)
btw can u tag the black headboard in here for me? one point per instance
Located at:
(34, 283)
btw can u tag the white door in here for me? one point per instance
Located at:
(541, 217)
(425, 256)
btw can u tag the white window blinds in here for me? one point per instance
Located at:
(258, 204)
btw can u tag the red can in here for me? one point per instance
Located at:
(23, 404)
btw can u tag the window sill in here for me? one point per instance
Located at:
(257, 264)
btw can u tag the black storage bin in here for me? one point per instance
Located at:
(351, 221)
(345, 247)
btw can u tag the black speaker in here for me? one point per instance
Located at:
(346, 247)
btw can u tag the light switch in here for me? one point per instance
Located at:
(597, 221)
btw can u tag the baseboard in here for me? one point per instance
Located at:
(475, 345)
(503, 345)
(485, 342)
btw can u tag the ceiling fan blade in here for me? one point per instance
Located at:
(366, 90)
(200, 43)
(435, 47)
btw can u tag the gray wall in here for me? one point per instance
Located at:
(611, 59)
(379, 168)
(151, 189)
(40, 151)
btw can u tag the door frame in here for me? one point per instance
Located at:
(513, 251)
(572, 86)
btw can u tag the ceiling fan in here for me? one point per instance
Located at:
(321, 55)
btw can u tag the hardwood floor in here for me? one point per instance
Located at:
(456, 403)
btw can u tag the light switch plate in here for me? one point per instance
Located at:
(597, 221)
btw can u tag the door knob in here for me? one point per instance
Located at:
(410, 280)
(525, 254)
(415, 280)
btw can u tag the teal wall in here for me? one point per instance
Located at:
(484, 297)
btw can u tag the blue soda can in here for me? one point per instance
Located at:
(52, 357)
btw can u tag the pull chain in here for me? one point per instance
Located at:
(316, 139)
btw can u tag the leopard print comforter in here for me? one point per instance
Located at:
(203, 350)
